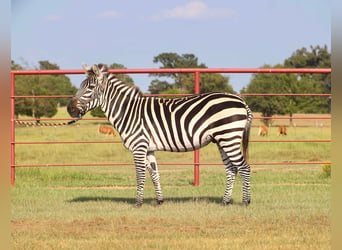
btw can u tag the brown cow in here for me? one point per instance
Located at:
(106, 130)
(263, 130)
(282, 130)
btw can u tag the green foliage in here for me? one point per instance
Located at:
(172, 90)
(35, 107)
(272, 83)
(46, 65)
(215, 82)
(97, 112)
(15, 66)
(158, 86)
(316, 57)
(123, 77)
(185, 81)
(36, 85)
(293, 84)
(326, 171)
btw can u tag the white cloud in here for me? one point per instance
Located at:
(53, 17)
(109, 14)
(194, 11)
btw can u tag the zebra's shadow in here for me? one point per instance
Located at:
(150, 201)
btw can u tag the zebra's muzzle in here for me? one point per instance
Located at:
(75, 109)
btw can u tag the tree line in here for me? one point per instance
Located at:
(291, 83)
(183, 83)
(37, 85)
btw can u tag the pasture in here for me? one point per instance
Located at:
(92, 207)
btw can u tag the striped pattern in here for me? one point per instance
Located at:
(148, 124)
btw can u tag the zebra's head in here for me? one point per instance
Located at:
(88, 95)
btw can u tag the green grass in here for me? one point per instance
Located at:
(100, 152)
(93, 207)
(290, 209)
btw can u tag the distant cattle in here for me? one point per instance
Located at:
(106, 130)
(282, 130)
(263, 130)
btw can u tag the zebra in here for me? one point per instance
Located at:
(147, 124)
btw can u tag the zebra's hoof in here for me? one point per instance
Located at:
(246, 203)
(227, 203)
(138, 205)
(160, 202)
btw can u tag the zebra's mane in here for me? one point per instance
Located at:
(134, 89)
(112, 79)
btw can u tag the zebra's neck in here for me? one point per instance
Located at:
(121, 104)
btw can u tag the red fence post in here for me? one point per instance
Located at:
(196, 152)
(12, 129)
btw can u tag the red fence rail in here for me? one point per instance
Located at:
(196, 71)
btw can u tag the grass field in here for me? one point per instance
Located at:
(92, 207)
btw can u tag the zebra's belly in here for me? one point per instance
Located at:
(179, 146)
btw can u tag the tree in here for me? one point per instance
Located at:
(27, 85)
(316, 57)
(37, 85)
(158, 86)
(271, 83)
(292, 83)
(123, 77)
(46, 65)
(185, 81)
(15, 66)
(214, 82)
(56, 84)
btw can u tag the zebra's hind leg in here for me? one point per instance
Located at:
(245, 173)
(152, 167)
(235, 162)
(230, 175)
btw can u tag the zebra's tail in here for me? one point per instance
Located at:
(246, 133)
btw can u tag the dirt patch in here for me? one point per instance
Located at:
(126, 225)
(172, 233)
(74, 228)
(292, 184)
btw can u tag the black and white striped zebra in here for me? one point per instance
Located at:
(147, 124)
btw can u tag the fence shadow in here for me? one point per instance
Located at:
(151, 201)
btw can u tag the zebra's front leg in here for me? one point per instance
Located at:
(140, 168)
(152, 167)
(245, 173)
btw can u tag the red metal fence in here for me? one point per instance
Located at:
(196, 71)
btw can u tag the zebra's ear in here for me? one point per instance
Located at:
(87, 69)
(96, 70)
(103, 68)
(101, 72)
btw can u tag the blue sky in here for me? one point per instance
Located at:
(222, 34)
